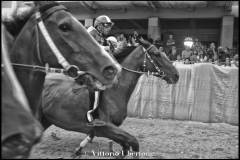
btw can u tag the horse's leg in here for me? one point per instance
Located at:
(45, 123)
(41, 117)
(84, 142)
(119, 136)
(110, 143)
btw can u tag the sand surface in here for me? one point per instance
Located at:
(157, 138)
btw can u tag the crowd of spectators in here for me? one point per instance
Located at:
(198, 53)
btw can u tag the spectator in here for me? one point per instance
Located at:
(201, 53)
(134, 39)
(129, 40)
(187, 61)
(211, 53)
(197, 44)
(158, 43)
(179, 58)
(227, 52)
(122, 42)
(194, 57)
(170, 43)
(198, 53)
(235, 61)
(161, 50)
(205, 59)
(118, 37)
(187, 53)
(221, 55)
(227, 62)
(122, 37)
(135, 35)
(173, 54)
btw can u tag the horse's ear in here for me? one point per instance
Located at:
(141, 40)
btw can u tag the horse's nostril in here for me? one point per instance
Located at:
(109, 72)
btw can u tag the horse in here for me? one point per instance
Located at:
(65, 104)
(50, 36)
(20, 129)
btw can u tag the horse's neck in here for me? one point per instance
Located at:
(128, 80)
(24, 52)
(114, 102)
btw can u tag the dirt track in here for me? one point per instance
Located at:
(157, 138)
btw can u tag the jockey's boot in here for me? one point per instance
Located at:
(90, 114)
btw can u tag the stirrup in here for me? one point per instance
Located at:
(96, 122)
(89, 116)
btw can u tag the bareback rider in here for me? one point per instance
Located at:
(102, 27)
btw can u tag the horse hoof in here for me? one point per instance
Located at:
(74, 156)
(78, 151)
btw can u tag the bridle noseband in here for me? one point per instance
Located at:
(70, 70)
(147, 56)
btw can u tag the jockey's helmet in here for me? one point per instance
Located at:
(104, 20)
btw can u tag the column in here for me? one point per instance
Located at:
(227, 31)
(6, 4)
(88, 22)
(154, 28)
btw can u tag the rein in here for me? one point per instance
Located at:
(158, 73)
(46, 69)
(70, 70)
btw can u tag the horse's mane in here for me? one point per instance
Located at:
(15, 21)
(9, 73)
(124, 53)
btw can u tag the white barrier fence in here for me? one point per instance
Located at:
(204, 92)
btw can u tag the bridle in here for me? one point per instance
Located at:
(147, 56)
(70, 70)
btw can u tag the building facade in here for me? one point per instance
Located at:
(209, 21)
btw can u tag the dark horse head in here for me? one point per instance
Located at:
(149, 60)
(20, 130)
(73, 44)
(158, 63)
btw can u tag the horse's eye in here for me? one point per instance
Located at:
(64, 27)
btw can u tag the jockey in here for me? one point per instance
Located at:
(102, 27)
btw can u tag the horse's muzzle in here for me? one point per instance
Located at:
(110, 72)
(18, 146)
